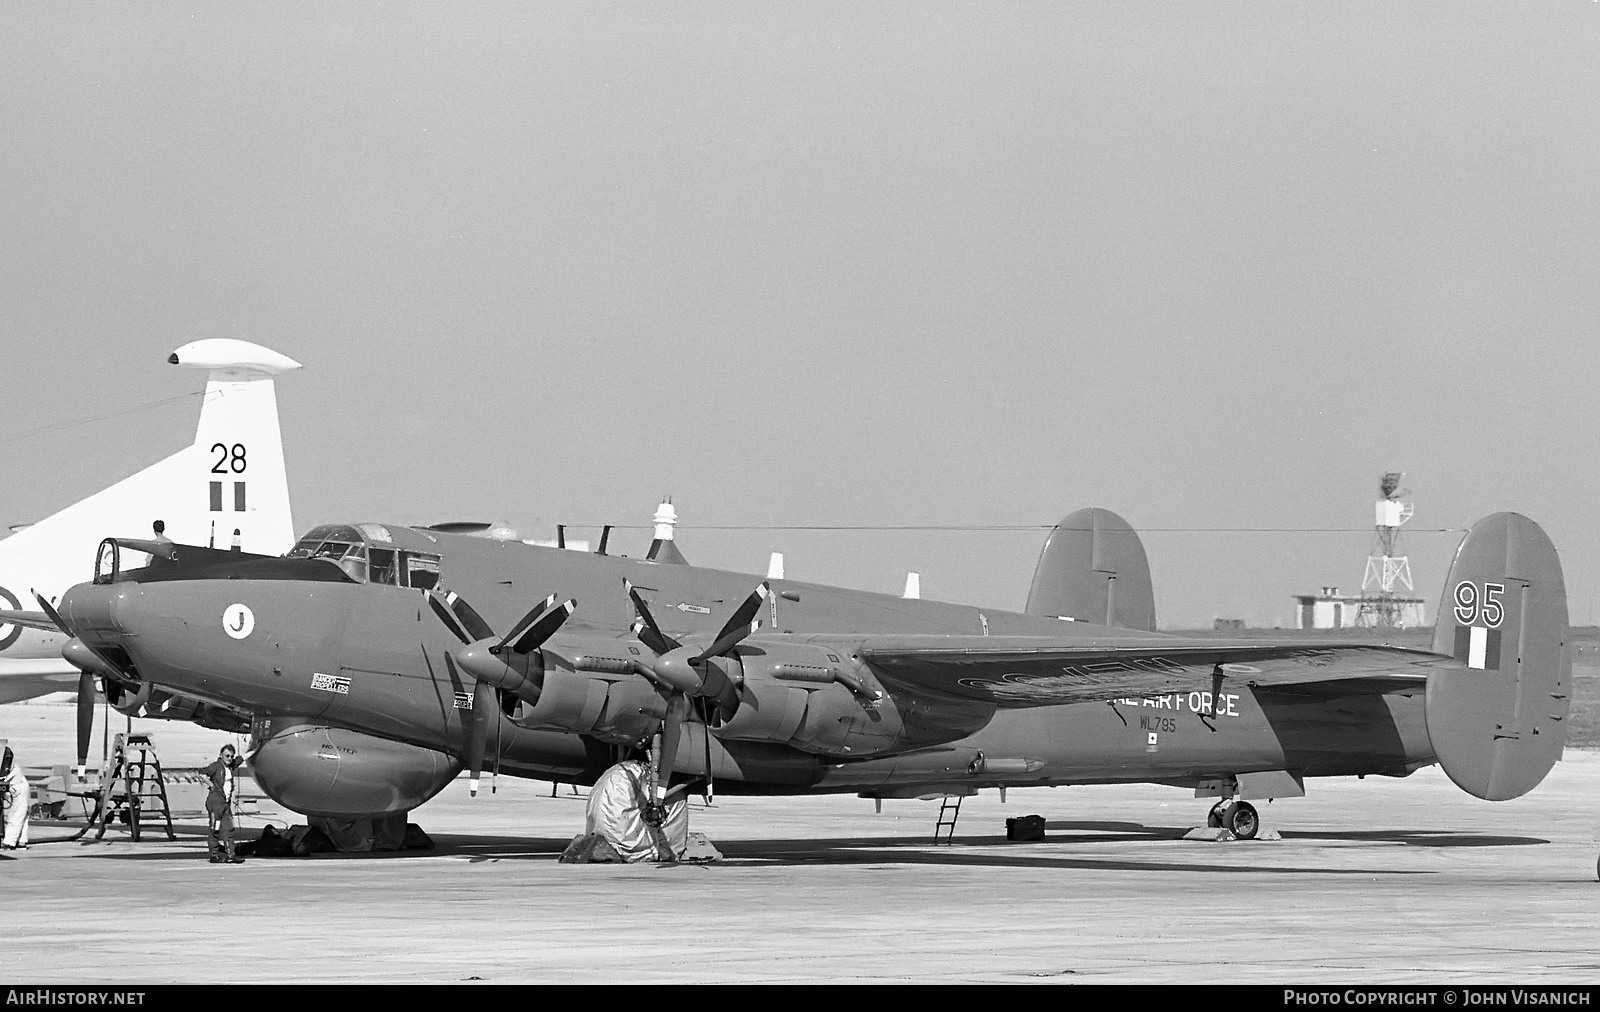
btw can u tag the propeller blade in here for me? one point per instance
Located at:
(85, 719)
(470, 620)
(527, 620)
(448, 617)
(739, 625)
(55, 616)
(650, 635)
(543, 628)
(671, 736)
(483, 705)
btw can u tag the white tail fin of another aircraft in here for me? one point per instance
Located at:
(228, 488)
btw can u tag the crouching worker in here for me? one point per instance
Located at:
(13, 801)
(223, 775)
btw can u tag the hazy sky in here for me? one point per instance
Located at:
(1209, 266)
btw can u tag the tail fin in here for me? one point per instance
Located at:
(1093, 569)
(1498, 725)
(231, 478)
(243, 485)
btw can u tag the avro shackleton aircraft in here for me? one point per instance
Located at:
(227, 488)
(370, 681)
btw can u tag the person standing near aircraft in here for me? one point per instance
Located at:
(14, 800)
(219, 806)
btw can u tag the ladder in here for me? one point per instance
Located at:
(949, 810)
(134, 785)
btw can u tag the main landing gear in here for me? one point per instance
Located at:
(1238, 817)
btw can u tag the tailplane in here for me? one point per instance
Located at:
(1499, 724)
(1093, 569)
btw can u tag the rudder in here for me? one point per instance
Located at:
(1498, 725)
(1093, 569)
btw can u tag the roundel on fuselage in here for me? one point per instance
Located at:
(238, 621)
(12, 632)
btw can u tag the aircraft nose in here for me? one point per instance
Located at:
(90, 610)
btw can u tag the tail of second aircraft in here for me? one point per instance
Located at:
(1498, 724)
(1093, 569)
(227, 489)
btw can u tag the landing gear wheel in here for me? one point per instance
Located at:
(1242, 820)
(1214, 817)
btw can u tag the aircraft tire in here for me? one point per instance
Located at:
(1243, 821)
(1214, 817)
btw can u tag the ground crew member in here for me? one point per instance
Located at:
(160, 527)
(14, 801)
(223, 775)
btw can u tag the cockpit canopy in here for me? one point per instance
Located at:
(373, 553)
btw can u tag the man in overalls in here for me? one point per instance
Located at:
(219, 806)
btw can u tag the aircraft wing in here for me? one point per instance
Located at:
(31, 619)
(1016, 671)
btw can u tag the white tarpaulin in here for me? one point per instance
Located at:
(616, 812)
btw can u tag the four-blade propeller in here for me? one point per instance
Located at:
(682, 672)
(509, 667)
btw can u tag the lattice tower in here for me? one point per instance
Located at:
(1388, 569)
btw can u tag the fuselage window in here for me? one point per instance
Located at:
(381, 566)
(422, 571)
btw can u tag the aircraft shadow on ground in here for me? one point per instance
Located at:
(970, 851)
(1414, 838)
(986, 851)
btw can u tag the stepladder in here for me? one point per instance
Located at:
(134, 789)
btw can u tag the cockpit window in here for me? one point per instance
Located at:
(348, 546)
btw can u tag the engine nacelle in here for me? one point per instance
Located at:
(590, 685)
(335, 773)
(616, 708)
(813, 699)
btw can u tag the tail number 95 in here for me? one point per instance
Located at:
(1471, 604)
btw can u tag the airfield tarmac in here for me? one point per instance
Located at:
(1375, 881)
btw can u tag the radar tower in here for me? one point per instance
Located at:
(1387, 568)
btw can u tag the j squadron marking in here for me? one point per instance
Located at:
(238, 621)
